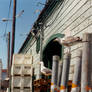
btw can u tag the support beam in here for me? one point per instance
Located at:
(77, 72)
(65, 72)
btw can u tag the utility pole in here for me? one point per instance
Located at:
(13, 30)
(8, 58)
(13, 36)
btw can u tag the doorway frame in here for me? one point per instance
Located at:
(58, 35)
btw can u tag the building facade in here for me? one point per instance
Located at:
(58, 19)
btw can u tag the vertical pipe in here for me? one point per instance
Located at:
(32, 79)
(77, 72)
(32, 76)
(8, 58)
(41, 41)
(86, 63)
(65, 72)
(54, 73)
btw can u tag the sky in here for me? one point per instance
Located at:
(23, 23)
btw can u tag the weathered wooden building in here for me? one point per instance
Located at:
(58, 19)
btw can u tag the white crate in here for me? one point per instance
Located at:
(16, 90)
(21, 90)
(18, 59)
(27, 70)
(22, 59)
(27, 81)
(16, 81)
(27, 90)
(27, 59)
(16, 70)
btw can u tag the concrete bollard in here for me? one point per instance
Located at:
(86, 79)
(54, 74)
(59, 74)
(77, 73)
(65, 73)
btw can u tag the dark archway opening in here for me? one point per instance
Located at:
(53, 48)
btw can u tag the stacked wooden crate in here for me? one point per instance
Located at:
(21, 72)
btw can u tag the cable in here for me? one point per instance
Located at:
(56, 15)
(8, 17)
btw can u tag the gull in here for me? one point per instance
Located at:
(44, 70)
(68, 41)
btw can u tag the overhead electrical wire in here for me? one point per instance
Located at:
(5, 32)
(57, 14)
(8, 18)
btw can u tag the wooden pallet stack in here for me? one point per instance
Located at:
(42, 85)
(21, 80)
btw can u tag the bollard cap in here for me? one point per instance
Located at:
(56, 58)
(87, 37)
(67, 55)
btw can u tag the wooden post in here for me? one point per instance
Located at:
(59, 74)
(54, 74)
(77, 72)
(86, 63)
(65, 72)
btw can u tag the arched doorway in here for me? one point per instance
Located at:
(52, 48)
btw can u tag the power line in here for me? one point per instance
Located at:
(8, 17)
(57, 14)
